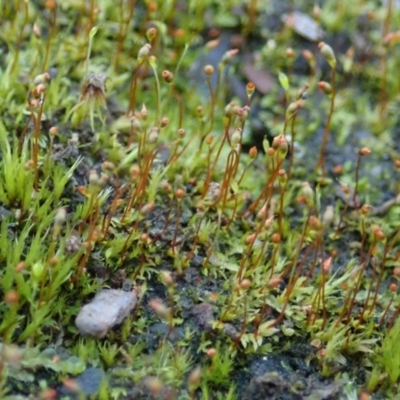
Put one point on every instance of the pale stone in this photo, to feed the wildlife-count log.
(108, 308)
(304, 26)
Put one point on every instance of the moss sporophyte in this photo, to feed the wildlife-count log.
(198, 202)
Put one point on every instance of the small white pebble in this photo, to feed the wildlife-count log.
(108, 308)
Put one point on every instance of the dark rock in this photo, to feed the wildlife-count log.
(204, 315)
(159, 331)
(328, 392)
(88, 382)
(231, 331)
(143, 391)
(270, 386)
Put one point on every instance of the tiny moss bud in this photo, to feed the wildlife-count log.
(180, 194)
(167, 278)
(213, 297)
(144, 52)
(280, 144)
(289, 52)
(282, 176)
(276, 238)
(153, 135)
(72, 385)
(321, 353)
(209, 140)
(250, 238)
(166, 186)
(302, 93)
(60, 216)
(253, 152)
(151, 34)
(194, 378)
(41, 79)
(167, 76)
(34, 103)
(11, 297)
(104, 179)
(396, 272)
(229, 55)
(164, 122)
(274, 282)
(338, 169)
(41, 88)
(236, 137)
(391, 37)
(200, 207)
(94, 178)
(250, 88)
(328, 53)
(212, 44)
(365, 151)
(74, 139)
(314, 222)
(328, 215)
(21, 266)
(134, 171)
(48, 394)
(230, 109)
(160, 308)
(108, 166)
(179, 33)
(12, 354)
(316, 12)
(326, 265)
(147, 208)
(29, 164)
(239, 111)
(153, 61)
(265, 144)
(364, 396)
(214, 33)
(54, 261)
(53, 131)
(307, 193)
(245, 284)
(365, 209)
(269, 222)
(211, 352)
(377, 232)
(154, 385)
(50, 4)
(135, 123)
(208, 70)
(325, 87)
(181, 132)
(144, 113)
(292, 109)
(308, 55)
(37, 270)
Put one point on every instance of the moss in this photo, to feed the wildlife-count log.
(141, 147)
